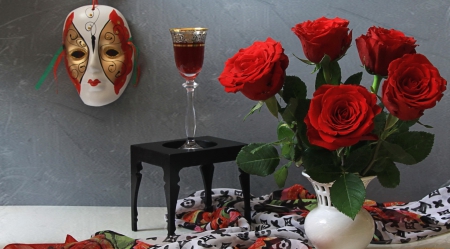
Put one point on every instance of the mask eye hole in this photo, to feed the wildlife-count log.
(112, 53)
(77, 54)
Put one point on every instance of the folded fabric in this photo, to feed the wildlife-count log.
(277, 222)
(396, 222)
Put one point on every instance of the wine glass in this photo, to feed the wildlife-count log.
(189, 48)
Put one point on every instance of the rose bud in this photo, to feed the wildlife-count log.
(381, 46)
(257, 71)
(324, 37)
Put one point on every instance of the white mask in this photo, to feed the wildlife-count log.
(99, 55)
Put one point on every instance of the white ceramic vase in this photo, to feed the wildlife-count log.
(327, 228)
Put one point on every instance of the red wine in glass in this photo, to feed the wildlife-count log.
(189, 58)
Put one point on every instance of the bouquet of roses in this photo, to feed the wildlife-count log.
(345, 131)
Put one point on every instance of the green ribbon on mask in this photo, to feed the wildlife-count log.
(49, 67)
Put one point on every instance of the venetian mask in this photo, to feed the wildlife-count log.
(99, 54)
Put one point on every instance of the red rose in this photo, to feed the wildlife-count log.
(324, 37)
(257, 71)
(381, 46)
(413, 85)
(341, 116)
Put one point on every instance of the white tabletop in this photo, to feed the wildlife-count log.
(51, 224)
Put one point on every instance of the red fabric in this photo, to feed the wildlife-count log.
(219, 218)
(69, 239)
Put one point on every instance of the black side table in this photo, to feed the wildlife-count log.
(166, 155)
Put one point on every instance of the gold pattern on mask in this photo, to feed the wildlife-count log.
(111, 54)
(77, 53)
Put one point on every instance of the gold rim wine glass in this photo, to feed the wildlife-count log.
(189, 49)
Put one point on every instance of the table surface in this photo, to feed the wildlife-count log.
(51, 224)
(166, 153)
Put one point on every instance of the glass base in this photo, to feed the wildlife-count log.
(190, 145)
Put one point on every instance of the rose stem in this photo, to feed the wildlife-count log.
(375, 154)
(376, 83)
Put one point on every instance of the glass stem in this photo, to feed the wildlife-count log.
(190, 120)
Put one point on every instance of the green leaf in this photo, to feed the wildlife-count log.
(348, 194)
(287, 150)
(304, 60)
(300, 113)
(293, 87)
(320, 80)
(301, 135)
(404, 126)
(390, 176)
(325, 60)
(296, 152)
(324, 68)
(398, 154)
(358, 159)
(281, 174)
(380, 122)
(330, 70)
(391, 121)
(316, 68)
(382, 159)
(320, 165)
(424, 125)
(335, 71)
(302, 109)
(354, 79)
(284, 132)
(418, 144)
(255, 108)
(272, 105)
(118, 240)
(286, 135)
(258, 159)
(288, 113)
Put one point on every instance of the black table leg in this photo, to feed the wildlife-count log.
(207, 175)
(244, 179)
(136, 177)
(171, 188)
